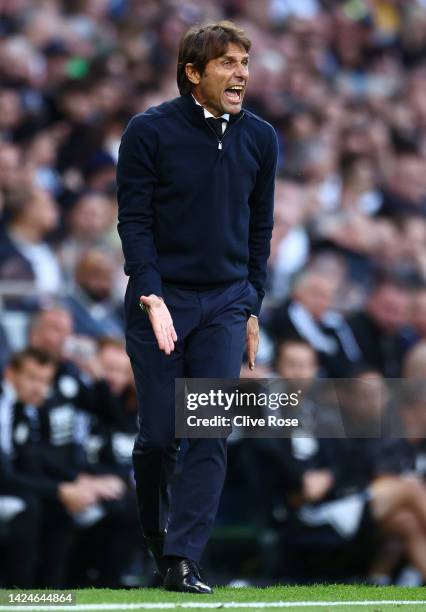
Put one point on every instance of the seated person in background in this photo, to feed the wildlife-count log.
(342, 492)
(80, 378)
(393, 504)
(410, 396)
(379, 327)
(24, 253)
(29, 479)
(298, 363)
(308, 316)
(108, 548)
(63, 416)
(92, 303)
(88, 224)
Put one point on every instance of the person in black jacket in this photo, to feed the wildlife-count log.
(359, 487)
(29, 477)
(195, 191)
(378, 329)
(79, 398)
(309, 316)
(109, 546)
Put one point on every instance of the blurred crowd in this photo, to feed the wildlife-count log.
(344, 84)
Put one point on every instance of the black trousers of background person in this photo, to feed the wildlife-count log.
(211, 328)
(19, 547)
(58, 536)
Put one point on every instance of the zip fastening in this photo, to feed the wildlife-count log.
(219, 145)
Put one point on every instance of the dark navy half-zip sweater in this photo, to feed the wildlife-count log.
(195, 211)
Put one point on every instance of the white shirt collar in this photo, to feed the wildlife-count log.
(207, 114)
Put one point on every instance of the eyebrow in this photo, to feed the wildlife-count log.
(233, 57)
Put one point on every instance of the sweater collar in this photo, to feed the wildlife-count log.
(208, 114)
(196, 112)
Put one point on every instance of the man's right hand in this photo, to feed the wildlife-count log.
(75, 497)
(161, 322)
(316, 484)
(105, 486)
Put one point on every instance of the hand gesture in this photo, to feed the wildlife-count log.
(161, 322)
(252, 340)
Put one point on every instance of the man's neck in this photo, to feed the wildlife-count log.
(213, 114)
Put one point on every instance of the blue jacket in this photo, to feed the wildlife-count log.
(195, 211)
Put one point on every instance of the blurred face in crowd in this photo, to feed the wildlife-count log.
(296, 360)
(116, 365)
(360, 175)
(288, 213)
(39, 212)
(50, 330)
(388, 306)
(414, 365)
(31, 381)
(10, 160)
(316, 293)
(91, 216)
(77, 105)
(95, 275)
(365, 398)
(408, 178)
(42, 150)
(221, 87)
(10, 109)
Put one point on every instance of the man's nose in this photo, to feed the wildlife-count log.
(242, 70)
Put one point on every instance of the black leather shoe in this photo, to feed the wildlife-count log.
(155, 546)
(184, 576)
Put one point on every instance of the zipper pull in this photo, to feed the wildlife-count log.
(219, 146)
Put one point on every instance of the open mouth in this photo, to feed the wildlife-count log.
(234, 94)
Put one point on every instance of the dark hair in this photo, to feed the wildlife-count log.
(17, 202)
(291, 339)
(202, 44)
(30, 353)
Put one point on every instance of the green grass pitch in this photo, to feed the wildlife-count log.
(318, 598)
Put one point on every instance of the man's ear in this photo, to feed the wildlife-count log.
(192, 74)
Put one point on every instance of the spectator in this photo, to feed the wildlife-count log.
(109, 546)
(378, 329)
(24, 252)
(307, 316)
(290, 242)
(80, 378)
(92, 304)
(89, 221)
(329, 496)
(29, 477)
(64, 432)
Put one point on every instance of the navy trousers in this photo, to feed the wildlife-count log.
(211, 330)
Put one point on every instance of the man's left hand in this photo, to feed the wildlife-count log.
(252, 340)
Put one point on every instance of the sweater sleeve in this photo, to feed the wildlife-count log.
(13, 480)
(261, 218)
(136, 179)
